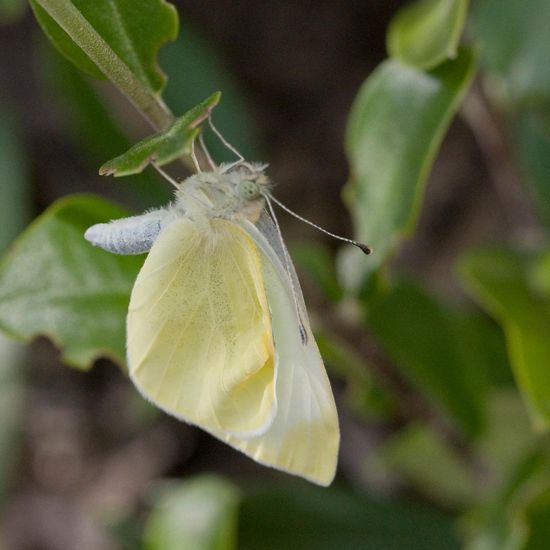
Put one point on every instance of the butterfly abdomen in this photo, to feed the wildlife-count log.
(129, 236)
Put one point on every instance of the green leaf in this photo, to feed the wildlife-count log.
(163, 147)
(54, 283)
(299, 516)
(199, 514)
(118, 39)
(133, 29)
(514, 36)
(427, 32)
(425, 341)
(394, 131)
(504, 283)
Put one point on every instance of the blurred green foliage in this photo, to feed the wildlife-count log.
(427, 32)
(200, 514)
(531, 134)
(91, 126)
(514, 37)
(503, 282)
(14, 212)
(425, 340)
(301, 517)
(474, 454)
(419, 455)
(11, 10)
(317, 262)
(15, 190)
(389, 166)
(197, 69)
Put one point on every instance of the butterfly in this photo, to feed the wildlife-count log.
(217, 331)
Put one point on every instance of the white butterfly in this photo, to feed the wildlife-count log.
(217, 330)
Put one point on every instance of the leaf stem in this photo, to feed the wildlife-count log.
(69, 18)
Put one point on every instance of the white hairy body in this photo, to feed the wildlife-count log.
(203, 196)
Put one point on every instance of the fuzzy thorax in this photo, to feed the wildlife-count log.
(230, 193)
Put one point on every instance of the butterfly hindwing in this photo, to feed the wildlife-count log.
(199, 331)
(304, 436)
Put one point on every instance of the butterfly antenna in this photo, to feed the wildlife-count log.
(166, 176)
(363, 247)
(206, 152)
(227, 144)
(303, 333)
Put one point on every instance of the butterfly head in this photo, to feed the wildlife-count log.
(247, 186)
(249, 190)
(228, 192)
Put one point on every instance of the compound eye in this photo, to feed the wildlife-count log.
(248, 190)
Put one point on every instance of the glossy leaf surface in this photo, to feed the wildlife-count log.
(121, 24)
(394, 131)
(54, 283)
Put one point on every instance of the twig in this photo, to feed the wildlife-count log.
(490, 137)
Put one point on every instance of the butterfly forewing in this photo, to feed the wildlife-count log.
(199, 331)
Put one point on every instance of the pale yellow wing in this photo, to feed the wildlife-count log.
(304, 436)
(199, 331)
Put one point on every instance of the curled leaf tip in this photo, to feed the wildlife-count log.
(106, 170)
(163, 147)
(208, 106)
